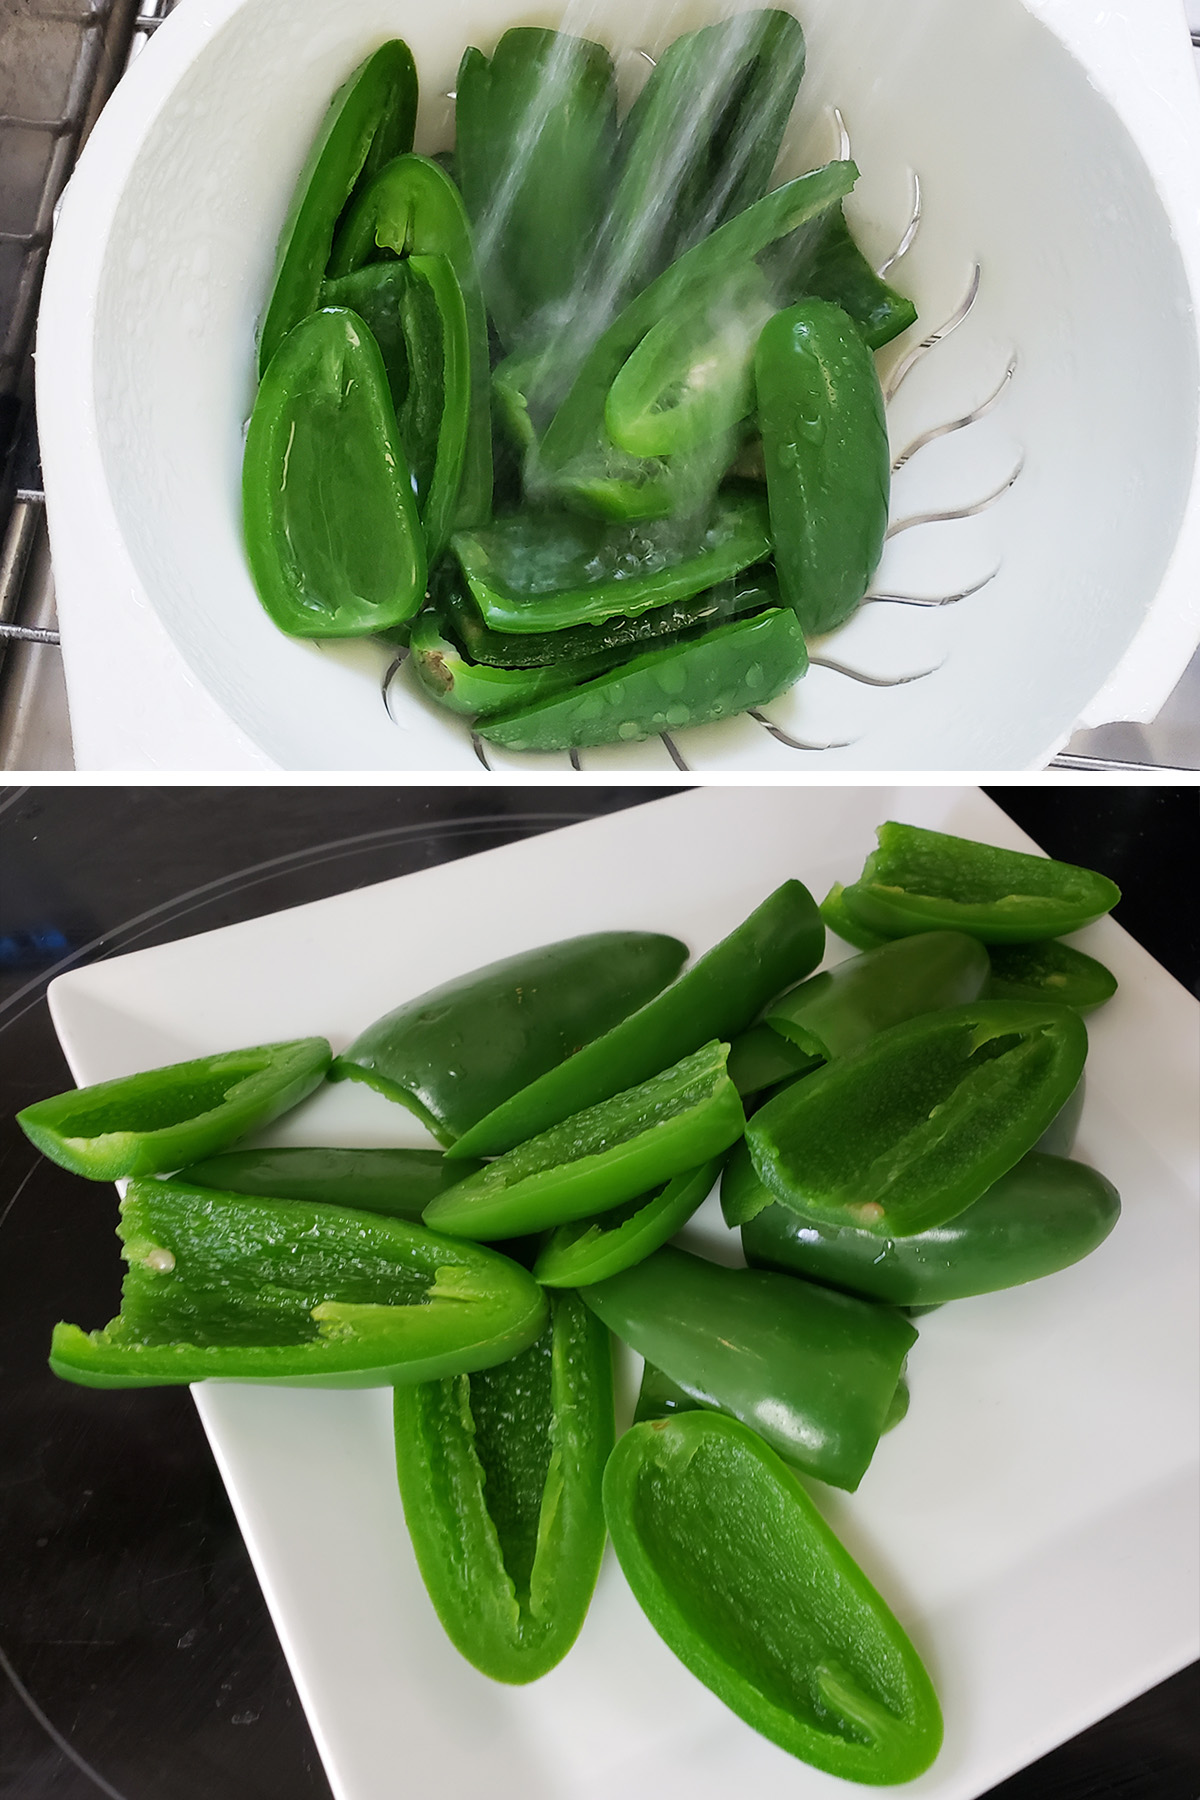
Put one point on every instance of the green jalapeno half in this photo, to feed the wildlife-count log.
(155, 1120)
(904, 1132)
(500, 1474)
(736, 1570)
(232, 1288)
(922, 880)
(333, 535)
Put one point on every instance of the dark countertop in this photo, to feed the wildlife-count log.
(137, 1658)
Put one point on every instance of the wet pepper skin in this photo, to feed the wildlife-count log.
(333, 534)
(825, 446)
(500, 1476)
(371, 119)
(412, 208)
(735, 1568)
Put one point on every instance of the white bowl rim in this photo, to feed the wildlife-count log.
(134, 701)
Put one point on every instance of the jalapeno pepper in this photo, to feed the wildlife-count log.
(370, 120)
(1049, 971)
(478, 689)
(707, 676)
(598, 1158)
(661, 1398)
(399, 1182)
(701, 140)
(412, 208)
(536, 133)
(841, 1008)
(576, 456)
(825, 444)
(1043, 1215)
(922, 880)
(692, 375)
(544, 571)
(761, 1058)
(838, 920)
(813, 1372)
(453, 1055)
(823, 261)
(415, 310)
(500, 1475)
(225, 1287)
(332, 531)
(592, 1249)
(905, 1132)
(782, 940)
(737, 1571)
(750, 591)
(140, 1124)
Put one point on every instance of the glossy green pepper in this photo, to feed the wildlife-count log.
(908, 1130)
(922, 880)
(761, 1058)
(842, 1007)
(692, 375)
(477, 690)
(590, 1250)
(708, 675)
(825, 444)
(661, 1398)
(750, 591)
(838, 920)
(398, 1182)
(414, 308)
(230, 1288)
(155, 1120)
(456, 1053)
(1043, 1215)
(701, 140)
(781, 941)
(736, 1570)
(823, 261)
(545, 571)
(370, 120)
(333, 534)
(602, 1156)
(500, 1475)
(576, 456)
(1049, 971)
(813, 1372)
(536, 130)
(744, 1196)
(412, 208)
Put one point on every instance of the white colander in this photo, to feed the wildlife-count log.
(1057, 145)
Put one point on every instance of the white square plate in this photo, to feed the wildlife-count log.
(1032, 1522)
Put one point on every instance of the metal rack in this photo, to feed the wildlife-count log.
(58, 66)
(57, 69)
